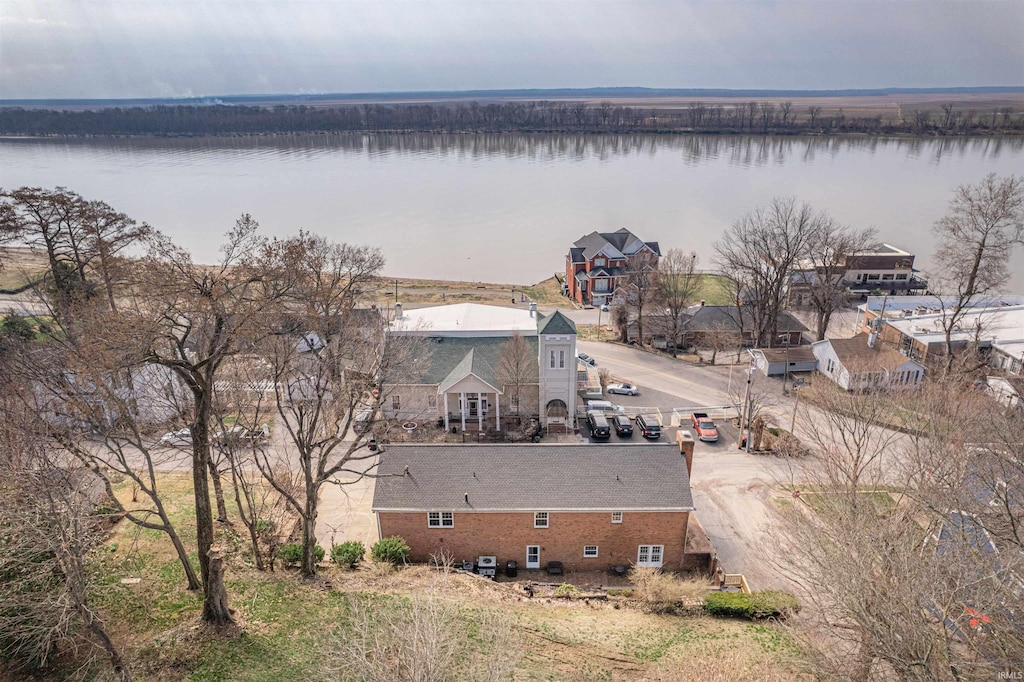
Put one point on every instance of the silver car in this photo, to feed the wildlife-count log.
(623, 389)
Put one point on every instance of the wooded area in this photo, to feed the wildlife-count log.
(754, 116)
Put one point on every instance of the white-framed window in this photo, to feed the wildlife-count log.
(440, 520)
(590, 551)
(552, 363)
(540, 519)
(599, 262)
(561, 359)
(432, 401)
(650, 555)
(903, 276)
(396, 402)
(616, 517)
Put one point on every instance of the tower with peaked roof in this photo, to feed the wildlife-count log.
(556, 348)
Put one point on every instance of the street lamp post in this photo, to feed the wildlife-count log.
(599, 323)
(748, 405)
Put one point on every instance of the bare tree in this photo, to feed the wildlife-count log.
(984, 223)
(190, 319)
(676, 284)
(759, 252)
(830, 252)
(897, 552)
(516, 363)
(50, 526)
(638, 291)
(328, 361)
(813, 113)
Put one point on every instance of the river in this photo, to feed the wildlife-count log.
(505, 208)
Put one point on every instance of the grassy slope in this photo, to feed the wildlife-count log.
(287, 623)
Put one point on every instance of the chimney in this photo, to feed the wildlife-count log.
(686, 444)
(533, 309)
(702, 303)
(398, 311)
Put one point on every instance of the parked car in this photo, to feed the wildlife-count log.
(624, 389)
(604, 406)
(179, 437)
(598, 425)
(649, 426)
(587, 359)
(623, 426)
(240, 434)
(705, 427)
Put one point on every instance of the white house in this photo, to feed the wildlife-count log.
(860, 363)
(455, 378)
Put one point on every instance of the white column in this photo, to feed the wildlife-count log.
(480, 411)
(446, 411)
(497, 412)
(462, 409)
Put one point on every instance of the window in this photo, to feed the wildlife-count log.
(396, 402)
(590, 551)
(616, 517)
(599, 262)
(873, 277)
(650, 555)
(540, 519)
(886, 277)
(440, 520)
(552, 363)
(561, 359)
(903, 276)
(831, 365)
(432, 402)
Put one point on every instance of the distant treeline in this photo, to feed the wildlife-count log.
(605, 117)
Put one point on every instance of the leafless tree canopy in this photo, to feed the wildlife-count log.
(908, 545)
(676, 285)
(760, 252)
(515, 367)
(984, 224)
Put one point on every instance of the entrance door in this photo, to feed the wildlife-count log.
(650, 555)
(533, 556)
(473, 404)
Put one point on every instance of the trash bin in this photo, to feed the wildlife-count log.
(512, 568)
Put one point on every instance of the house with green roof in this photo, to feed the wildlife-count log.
(456, 375)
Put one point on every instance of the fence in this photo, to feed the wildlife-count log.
(681, 415)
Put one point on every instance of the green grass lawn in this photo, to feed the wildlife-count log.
(288, 627)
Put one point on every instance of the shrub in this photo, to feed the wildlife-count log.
(391, 550)
(348, 554)
(292, 554)
(656, 588)
(755, 605)
(567, 591)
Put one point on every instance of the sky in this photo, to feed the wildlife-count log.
(189, 48)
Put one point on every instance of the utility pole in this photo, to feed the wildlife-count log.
(747, 403)
(599, 323)
(792, 423)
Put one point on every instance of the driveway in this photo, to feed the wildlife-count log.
(345, 511)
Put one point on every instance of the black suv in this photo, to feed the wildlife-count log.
(649, 426)
(598, 425)
(623, 427)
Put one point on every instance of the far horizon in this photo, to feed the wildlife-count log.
(610, 92)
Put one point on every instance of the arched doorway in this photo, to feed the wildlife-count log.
(556, 416)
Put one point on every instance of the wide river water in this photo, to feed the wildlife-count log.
(505, 208)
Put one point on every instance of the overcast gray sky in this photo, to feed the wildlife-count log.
(163, 48)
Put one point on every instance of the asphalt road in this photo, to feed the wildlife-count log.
(732, 490)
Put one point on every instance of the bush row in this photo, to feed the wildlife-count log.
(755, 605)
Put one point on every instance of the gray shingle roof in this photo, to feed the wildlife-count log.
(556, 323)
(532, 478)
(439, 362)
(594, 242)
(576, 255)
(717, 317)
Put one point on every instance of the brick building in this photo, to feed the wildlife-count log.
(599, 263)
(586, 506)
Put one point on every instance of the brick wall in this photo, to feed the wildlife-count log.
(506, 535)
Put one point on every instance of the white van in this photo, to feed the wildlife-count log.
(604, 406)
